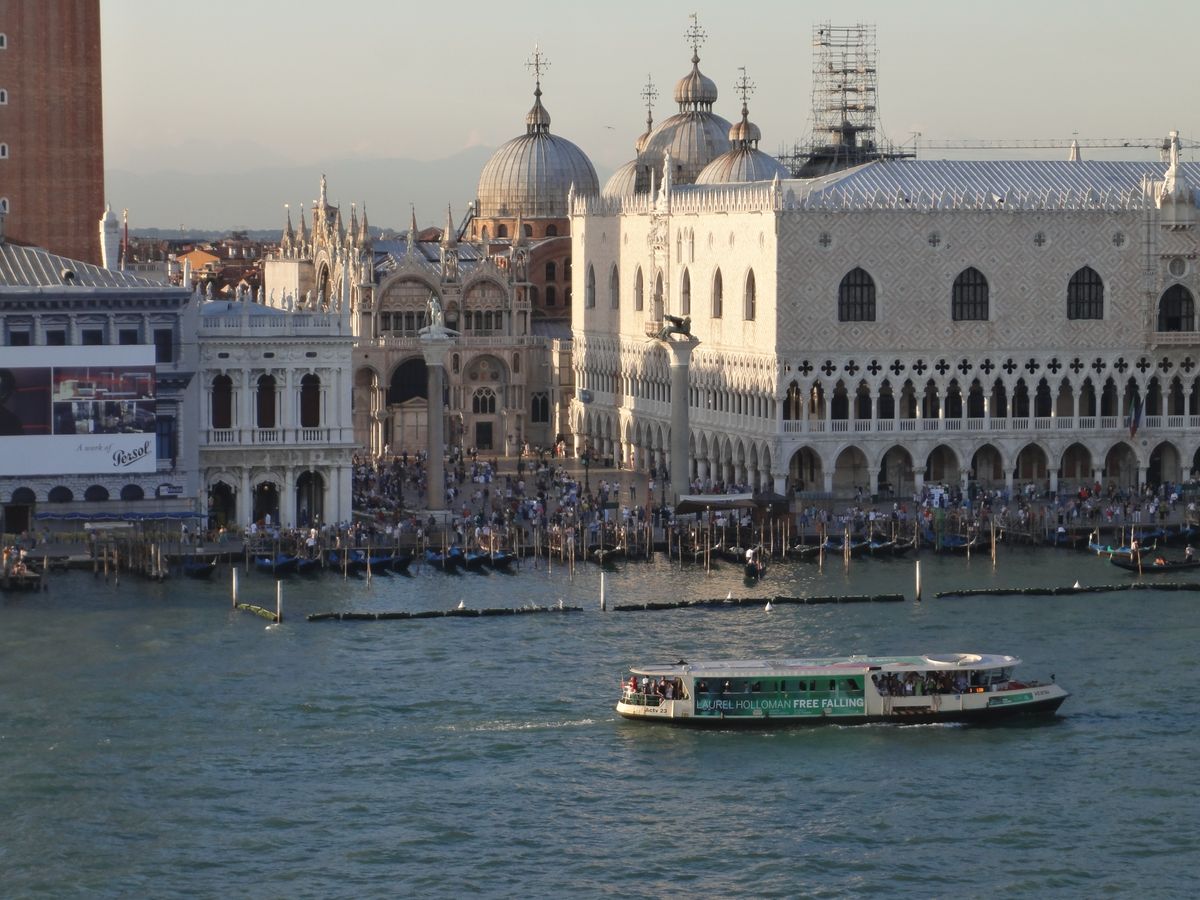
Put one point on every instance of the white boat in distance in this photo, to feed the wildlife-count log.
(849, 690)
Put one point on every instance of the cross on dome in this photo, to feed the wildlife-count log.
(696, 36)
(538, 64)
(744, 87)
(649, 94)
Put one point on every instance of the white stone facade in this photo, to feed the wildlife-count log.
(276, 432)
(786, 393)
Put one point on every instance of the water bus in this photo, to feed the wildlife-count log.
(849, 690)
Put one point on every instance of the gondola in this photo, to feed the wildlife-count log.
(309, 567)
(198, 568)
(380, 563)
(834, 546)
(279, 565)
(401, 560)
(351, 562)
(1149, 566)
(607, 554)
(806, 552)
(444, 562)
(474, 561)
(501, 560)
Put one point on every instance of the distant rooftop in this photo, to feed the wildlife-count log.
(33, 267)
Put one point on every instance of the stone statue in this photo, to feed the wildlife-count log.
(436, 318)
(675, 325)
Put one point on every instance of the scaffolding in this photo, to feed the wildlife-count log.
(844, 103)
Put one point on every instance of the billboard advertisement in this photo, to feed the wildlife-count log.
(77, 410)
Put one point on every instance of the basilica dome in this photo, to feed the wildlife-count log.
(532, 174)
(622, 182)
(744, 161)
(694, 136)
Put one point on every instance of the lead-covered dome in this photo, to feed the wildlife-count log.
(622, 182)
(694, 136)
(695, 86)
(532, 174)
(743, 161)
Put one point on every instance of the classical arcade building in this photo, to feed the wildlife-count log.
(276, 438)
(898, 323)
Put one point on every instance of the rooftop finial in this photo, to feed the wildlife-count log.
(538, 63)
(745, 87)
(696, 36)
(649, 94)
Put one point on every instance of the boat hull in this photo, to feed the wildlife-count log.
(671, 713)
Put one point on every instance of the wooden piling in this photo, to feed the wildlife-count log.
(918, 575)
(234, 587)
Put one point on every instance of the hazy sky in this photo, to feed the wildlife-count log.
(225, 86)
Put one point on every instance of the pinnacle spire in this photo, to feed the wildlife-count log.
(449, 238)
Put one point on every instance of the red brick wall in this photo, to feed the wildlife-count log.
(53, 124)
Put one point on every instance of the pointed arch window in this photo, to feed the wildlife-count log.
(751, 302)
(718, 296)
(483, 402)
(551, 231)
(589, 295)
(969, 297)
(685, 294)
(614, 289)
(551, 271)
(501, 231)
(1085, 295)
(551, 295)
(1177, 310)
(856, 297)
(639, 292)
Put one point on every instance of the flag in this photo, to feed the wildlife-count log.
(1135, 417)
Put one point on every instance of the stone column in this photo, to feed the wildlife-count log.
(434, 346)
(680, 350)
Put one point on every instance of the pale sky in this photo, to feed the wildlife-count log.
(231, 86)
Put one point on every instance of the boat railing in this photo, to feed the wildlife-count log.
(640, 699)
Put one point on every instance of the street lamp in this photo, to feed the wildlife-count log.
(587, 462)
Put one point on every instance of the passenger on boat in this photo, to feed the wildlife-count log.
(1159, 561)
(1189, 554)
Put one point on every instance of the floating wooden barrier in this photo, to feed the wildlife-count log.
(437, 614)
(268, 614)
(759, 601)
(1068, 591)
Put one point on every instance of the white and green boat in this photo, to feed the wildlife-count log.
(849, 690)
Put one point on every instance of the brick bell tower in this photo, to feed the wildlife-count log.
(51, 125)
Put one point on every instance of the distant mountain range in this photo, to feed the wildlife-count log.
(167, 201)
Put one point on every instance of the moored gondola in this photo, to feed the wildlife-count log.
(278, 565)
(199, 568)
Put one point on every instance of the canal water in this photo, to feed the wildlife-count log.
(153, 742)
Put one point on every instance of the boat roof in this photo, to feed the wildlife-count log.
(836, 665)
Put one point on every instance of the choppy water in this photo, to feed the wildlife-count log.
(155, 743)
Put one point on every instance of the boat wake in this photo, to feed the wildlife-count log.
(498, 727)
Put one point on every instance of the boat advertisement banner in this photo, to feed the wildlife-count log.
(77, 410)
(846, 699)
(1009, 699)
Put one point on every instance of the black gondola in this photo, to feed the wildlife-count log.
(309, 566)
(194, 568)
(1155, 566)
